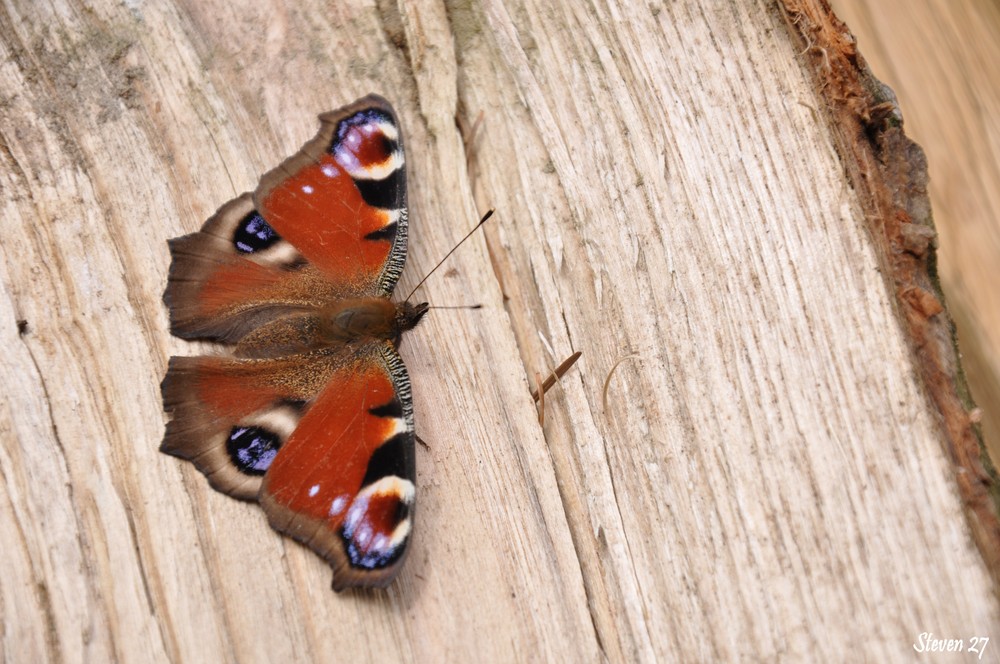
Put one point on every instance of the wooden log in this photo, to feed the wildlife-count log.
(774, 475)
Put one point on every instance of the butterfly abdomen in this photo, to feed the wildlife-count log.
(364, 318)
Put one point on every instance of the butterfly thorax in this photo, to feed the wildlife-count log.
(339, 324)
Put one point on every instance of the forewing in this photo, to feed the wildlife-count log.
(329, 223)
(342, 198)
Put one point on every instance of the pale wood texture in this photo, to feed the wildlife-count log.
(941, 59)
(768, 480)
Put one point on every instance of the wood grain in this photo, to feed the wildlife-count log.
(767, 482)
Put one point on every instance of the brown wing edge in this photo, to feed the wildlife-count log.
(194, 435)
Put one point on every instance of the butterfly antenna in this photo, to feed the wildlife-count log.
(489, 213)
(458, 306)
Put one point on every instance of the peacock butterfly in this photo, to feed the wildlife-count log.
(311, 415)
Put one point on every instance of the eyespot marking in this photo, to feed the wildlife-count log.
(377, 524)
(254, 234)
(252, 449)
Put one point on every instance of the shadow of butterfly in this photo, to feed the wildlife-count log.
(312, 414)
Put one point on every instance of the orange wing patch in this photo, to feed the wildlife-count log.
(331, 222)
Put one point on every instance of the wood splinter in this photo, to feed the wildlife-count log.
(538, 394)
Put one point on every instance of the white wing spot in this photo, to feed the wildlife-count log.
(306, 189)
(313, 490)
(337, 506)
(328, 170)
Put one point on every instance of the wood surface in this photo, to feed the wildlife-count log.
(770, 478)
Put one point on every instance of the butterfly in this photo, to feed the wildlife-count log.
(311, 414)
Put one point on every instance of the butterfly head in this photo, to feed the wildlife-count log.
(408, 315)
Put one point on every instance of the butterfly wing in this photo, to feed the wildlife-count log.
(230, 417)
(343, 484)
(342, 198)
(324, 440)
(328, 223)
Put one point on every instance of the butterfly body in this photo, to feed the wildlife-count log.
(340, 323)
(311, 413)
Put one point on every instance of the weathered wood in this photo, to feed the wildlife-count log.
(937, 58)
(769, 479)
(889, 173)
